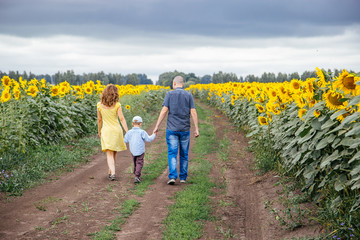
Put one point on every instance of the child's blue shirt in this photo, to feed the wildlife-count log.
(136, 138)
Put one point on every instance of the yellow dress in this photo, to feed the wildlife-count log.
(111, 132)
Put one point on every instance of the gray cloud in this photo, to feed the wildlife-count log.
(228, 18)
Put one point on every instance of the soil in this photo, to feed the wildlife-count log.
(84, 200)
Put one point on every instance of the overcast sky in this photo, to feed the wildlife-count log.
(199, 36)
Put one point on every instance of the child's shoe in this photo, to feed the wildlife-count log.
(137, 180)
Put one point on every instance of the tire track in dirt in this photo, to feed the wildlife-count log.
(146, 222)
(84, 200)
(239, 208)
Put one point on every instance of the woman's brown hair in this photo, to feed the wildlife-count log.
(110, 95)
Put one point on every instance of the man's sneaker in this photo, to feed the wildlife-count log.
(182, 181)
(171, 181)
(137, 180)
(112, 177)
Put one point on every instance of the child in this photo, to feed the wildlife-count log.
(136, 138)
(109, 129)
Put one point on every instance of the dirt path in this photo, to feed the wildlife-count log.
(76, 204)
(239, 208)
(83, 201)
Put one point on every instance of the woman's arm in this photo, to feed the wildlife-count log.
(122, 119)
(99, 122)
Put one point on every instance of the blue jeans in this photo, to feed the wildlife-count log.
(174, 141)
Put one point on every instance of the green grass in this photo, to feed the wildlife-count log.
(19, 171)
(224, 149)
(108, 232)
(191, 208)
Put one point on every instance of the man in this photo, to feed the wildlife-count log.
(179, 105)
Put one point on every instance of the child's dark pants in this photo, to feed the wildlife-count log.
(138, 164)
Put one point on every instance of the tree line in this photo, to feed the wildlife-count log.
(165, 79)
(77, 79)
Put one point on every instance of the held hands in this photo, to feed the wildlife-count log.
(156, 130)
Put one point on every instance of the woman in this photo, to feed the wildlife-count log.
(110, 131)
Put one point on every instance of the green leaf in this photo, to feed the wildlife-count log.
(354, 131)
(355, 143)
(327, 124)
(354, 101)
(355, 170)
(350, 118)
(355, 157)
(335, 155)
(348, 141)
(325, 142)
(356, 185)
(304, 132)
(338, 113)
(316, 124)
(340, 182)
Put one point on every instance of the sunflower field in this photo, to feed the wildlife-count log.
(35, 113)
(310, 129)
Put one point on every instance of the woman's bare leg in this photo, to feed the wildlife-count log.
(110, 161)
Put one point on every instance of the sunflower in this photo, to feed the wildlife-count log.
(208, 98)
(16, 93)
(260, 108)
(272, 94)
(332, 100)
(269, 116)
(127, 107)
(32, 91)
(316, 113)
(55, 90)
(346, 82)
(301, 112)
(321, 82)
(295, 85)
(222, 100)
(88, 90)
(6, 81)
(5, 96)
(263, 120)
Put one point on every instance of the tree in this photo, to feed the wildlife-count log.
(206, 79)
(132, 79)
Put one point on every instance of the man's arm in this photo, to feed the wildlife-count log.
(195, 120)
(162, 115)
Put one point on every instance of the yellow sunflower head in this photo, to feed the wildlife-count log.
(32, 91)
(316, 113)
(88, 90)
(263, 120)
(5, 96)
(6, 81)
(17, 93)
(55, 90)
(346, 82)
(321, 76)
(269, 116)
(295, 85)
(222, 100)
(260, 108)
(332, 100)
(127, 107)
(301, 112)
